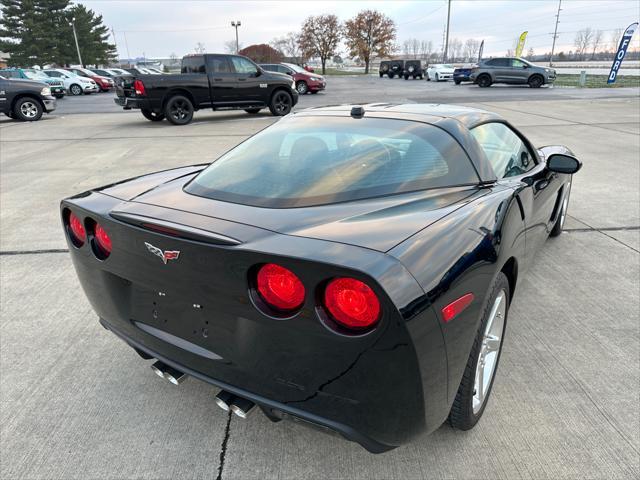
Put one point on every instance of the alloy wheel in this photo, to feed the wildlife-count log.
(489, 351)
(282, 103)
(29, 109)
(180, 110)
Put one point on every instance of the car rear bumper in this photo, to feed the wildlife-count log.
(273, 408)
(129, 102)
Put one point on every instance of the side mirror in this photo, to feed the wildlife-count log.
(525, 66)
(258, 72)
(561, 163)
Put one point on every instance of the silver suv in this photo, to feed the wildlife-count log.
(516, 71)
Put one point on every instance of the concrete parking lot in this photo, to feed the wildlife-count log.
(76, 402)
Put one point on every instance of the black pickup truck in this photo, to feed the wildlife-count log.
(219, 82)
(25, 100)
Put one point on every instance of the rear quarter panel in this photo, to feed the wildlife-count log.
(462, 253)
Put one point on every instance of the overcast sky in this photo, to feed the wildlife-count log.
(160, 28)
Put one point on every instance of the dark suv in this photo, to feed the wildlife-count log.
(215, 81)
(413, 68)
(391, 68)
(511, 70)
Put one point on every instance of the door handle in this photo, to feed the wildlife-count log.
(542, 184)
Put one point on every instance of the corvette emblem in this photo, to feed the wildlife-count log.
(164, 255)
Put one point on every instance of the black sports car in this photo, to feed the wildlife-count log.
(347, 267)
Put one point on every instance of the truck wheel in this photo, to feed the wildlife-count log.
(484, 81)
(75, 89)
(27, 109)
(153, 116)
(381, 75)
(10, 115)
(535, 81)
(252, 111)
(457, 82)
(482, 365)
(179, 110)
(302, 87)
(281, 103)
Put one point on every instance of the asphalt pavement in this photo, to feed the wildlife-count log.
(76, 402)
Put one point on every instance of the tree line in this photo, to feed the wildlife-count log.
(39, 32)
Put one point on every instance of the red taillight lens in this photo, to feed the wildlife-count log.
(280, 288)
(102, 240)
(352, 303)
(78, 233)
(138, 86)
(456, 307)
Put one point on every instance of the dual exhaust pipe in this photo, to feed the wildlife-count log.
(225, 400)
(238, 405)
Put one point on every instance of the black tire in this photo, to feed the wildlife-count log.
(406, 77)
(252, 111)
(535, 81)
(151, 115)
(381, 74)
(281, 103)
(313, 92)
(462, 415)
(302, 87)
(390, 74)
(484, 81)
(10, 115)
(179, 110)
(559, 225)
(420, 77)
(27, 109)
(457, 82)
(75, 90)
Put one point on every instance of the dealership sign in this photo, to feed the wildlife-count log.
(622, 50)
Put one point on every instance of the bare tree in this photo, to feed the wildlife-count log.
(319, 37)
(582, 41)
(596, 42)
(426, 48)
(455, 49)
(406, 47)
(230, 46)
(415, 48)
(531, 53)
(289, 45)
(471, 47)
(200, 48)
(369, 33)
(616, 35)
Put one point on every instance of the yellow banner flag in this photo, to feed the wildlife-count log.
(520, 46)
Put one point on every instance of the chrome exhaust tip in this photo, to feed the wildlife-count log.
(242, 407)
(224, 400)
(168, 373)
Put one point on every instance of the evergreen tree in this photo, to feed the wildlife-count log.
(39, 32)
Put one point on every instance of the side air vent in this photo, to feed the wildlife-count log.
(174, 229)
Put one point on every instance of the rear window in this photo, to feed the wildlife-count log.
(307, 161)
(193, 64)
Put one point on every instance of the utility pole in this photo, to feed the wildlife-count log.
(555, 33)
(446, 41)
(236, 24)
(75, 36)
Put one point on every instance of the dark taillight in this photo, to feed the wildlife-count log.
(456, 307)
(280, 288)
(103, 241)
(138, 86)
(77, 231)
(352, 303)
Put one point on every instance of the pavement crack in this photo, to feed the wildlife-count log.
(604, 231)
(223, 448)
(34, 252)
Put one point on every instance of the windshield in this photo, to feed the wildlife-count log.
(295, 68)
(35, 75)
(307, 161)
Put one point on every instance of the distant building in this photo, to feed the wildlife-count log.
(4, 59)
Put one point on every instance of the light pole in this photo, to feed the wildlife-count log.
(75, 36)
(446, 41)
(555, 33)
(236, 24)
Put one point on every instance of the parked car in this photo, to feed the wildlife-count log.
(73, 83)
(440, 72)
(105, 84)
(305, 81)
(391, 68)
(513, 71)
(139, 71)
(348, 267)
(216, 81)
(155, 70)
(25, 100)
(413, 69)
(56, 86)
(119, 72)
(462, 74)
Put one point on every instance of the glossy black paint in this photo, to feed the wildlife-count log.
(418, 251)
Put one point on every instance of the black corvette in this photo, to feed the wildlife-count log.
(347, 267)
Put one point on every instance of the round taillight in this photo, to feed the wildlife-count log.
(280, 288)
(352, 303)
(78, 233)
(102, 240)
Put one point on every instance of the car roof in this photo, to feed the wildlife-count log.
(432, 113)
